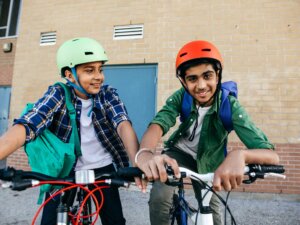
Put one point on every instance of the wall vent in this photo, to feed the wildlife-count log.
(48, 38)
(128, 32)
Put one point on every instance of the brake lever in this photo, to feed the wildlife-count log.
(275, 175)
(172, 180)
(252, 176)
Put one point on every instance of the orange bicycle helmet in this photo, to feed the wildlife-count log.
(197, 50)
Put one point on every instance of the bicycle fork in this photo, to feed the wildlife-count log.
(66, 205)
(63, 210)
(181, 210)
(204, 215)
(62, 215)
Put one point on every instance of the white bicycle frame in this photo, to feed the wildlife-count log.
(199, 218)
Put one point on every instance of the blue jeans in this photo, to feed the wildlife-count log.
(111, 212)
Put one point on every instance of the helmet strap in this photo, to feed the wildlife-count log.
(182, 82)
(78, 87)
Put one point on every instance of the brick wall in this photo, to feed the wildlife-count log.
(259, 41)
(289, 158)
(7, 62)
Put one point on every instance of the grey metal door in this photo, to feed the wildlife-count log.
(4, 112)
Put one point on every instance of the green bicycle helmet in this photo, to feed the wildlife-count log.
(78, 51)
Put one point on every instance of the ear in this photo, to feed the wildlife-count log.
(69, 76)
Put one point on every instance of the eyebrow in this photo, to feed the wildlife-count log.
(204, 73)
(208, 72)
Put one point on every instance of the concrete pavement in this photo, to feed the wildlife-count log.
(18, 208)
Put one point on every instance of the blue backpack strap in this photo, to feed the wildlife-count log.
(186, 106)
(228, 88)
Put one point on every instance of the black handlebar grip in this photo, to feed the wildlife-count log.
(273, 169)
(7, 174)
(267, 168)
(128, 173)
(21, 185)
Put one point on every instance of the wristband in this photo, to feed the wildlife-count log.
(140, 151)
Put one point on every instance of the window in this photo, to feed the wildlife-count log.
(9, 17)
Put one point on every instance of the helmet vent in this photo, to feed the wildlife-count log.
(183, 54)
(89, 53)
(206, 49)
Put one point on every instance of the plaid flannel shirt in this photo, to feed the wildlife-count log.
(108, 112)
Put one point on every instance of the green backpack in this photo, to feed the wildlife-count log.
(49, 155)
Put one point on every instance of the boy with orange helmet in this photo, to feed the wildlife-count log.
(199, 141)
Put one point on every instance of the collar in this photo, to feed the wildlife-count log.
(95, 98)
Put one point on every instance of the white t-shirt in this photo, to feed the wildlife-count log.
(191, 147)
(94, 155)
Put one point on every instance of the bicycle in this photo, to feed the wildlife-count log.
(181, 210)
(73, 190)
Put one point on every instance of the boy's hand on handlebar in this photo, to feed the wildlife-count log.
(154, 166)
(230, 173)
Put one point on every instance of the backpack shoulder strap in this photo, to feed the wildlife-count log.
(72, 113)
(186, 106)
(70, 107)
(228, 88)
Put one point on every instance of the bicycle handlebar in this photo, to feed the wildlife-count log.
(265, 168)
(21, 180)
(25, 179)
(81, 213)
(254, 171)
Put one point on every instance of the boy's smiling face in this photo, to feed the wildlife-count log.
(90, 76)
(201, 82)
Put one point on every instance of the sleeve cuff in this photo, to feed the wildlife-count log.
(161, 124)
(120, 118)
(30, 135)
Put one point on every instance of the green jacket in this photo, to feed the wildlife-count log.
(213, 135)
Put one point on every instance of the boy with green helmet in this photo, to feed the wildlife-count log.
(79, 51)
(107, 138)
